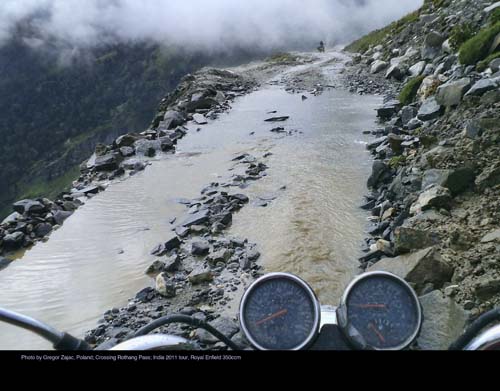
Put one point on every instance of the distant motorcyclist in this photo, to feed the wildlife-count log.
(321, 47)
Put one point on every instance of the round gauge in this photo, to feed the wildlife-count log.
(280, 311)
(380, 311)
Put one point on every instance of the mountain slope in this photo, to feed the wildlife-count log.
(53, 114)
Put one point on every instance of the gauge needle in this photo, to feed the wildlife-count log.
(378, 333)
(369, 305)
(271, 317)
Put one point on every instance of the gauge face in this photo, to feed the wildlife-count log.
(279, 312)
(384, 309)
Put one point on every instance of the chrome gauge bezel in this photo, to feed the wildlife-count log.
(342, 316)
(276, 276)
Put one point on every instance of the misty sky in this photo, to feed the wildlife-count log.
(212, 24)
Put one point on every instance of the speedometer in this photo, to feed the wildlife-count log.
(279, 311)
(380, 311)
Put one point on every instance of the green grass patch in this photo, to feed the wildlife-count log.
(397, 161)
(50, 188)
(283, 58)
(409, 91)
(376, 37)
(494, 16)
(460, 34)
(477, 48)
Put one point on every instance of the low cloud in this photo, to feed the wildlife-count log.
(199, 24)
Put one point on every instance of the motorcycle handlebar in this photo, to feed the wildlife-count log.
(60, 340)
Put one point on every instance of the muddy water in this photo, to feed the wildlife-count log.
(313, 228)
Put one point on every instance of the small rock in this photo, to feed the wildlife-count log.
(200, 275)
(164, 286)
(200, 248)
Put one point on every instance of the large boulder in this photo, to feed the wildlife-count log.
(482, 86)
(173, 119)
(13, 241)
(429, 110)
(408, 239)
(435, 197)
(29, 207)
(388, 109)
(107, 162)
(408, 113)
(421, 268)
(12, 218)
(417, 69)
(378, 66)
(396, 71)
(456, 180)
(126, 140)
(433, 42)
(380, 172)
(60, 216)
(198, 218)
(444, 321)
(451, 93)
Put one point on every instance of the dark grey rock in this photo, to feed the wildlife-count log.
(107, 162)
(200, 248)
(197, 218)
(4, 262)
(61, 215)
(380, 172)
(429, 110)
(172, 119)
(13, 241)
(456, 180)
(408, 113)
(43, 229)
(29, 207)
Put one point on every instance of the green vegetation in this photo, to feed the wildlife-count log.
(460, 34)
(409, 91)
(397, 161)
(377, 37)
(494, 16)
(483, 65)
(477, 48)
(282, 58)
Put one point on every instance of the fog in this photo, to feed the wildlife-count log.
(199, 24)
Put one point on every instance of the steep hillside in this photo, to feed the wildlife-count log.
(436, 178)
(52, 114)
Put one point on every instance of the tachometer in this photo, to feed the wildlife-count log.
(380, 311)
(280, 311)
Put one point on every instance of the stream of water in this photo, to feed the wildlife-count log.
(312, 228)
